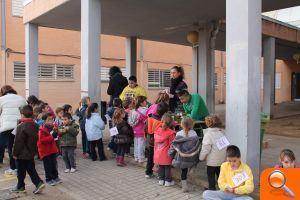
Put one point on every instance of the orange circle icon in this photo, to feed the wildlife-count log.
(277, 179)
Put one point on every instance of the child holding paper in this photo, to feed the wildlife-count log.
(236, 178)
(211, 151)
(94, 126)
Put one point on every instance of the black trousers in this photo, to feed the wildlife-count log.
(164, 173)
(121, 149)
(85, 142)
(7, 140)
(50, 166)
(184, 172)
(28, 166)
(150, 163)
(212, 174)
(99, 144)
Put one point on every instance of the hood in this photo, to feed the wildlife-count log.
(187, 146)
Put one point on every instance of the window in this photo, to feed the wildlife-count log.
(216, 79)
(17, 8)
(104, 73)
(46, 71)
(159, 78)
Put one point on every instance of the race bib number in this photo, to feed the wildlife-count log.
(113, 131)
(222, 143)
(240, 178)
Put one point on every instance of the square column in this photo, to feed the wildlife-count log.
(195, 69)
(31, 60)
(90, 49)
(131, 48)
(243, 48)
(269, 75)
(206, 68)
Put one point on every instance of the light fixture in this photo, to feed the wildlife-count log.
(297, 57)
(192, 37)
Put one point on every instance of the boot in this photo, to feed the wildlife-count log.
(118, 160)
(184, 186)
(122, 161)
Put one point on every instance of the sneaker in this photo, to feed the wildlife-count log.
(161, 182)
(39, 188)
(168, 184)
(67, 170)
(18, 190)
(108, 149)
(73, 170)
(52, 183)
(10, 172)
(148, 176)
(85, 155)
(58, 180)
(142, 160)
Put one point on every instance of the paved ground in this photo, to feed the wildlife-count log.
(98, 180)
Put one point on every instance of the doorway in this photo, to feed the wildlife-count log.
(296, 86)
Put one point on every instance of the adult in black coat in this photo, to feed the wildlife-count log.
(117, 82)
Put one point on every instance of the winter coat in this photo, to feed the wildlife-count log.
(46, 144)
(133, 92)
(162, 142)
(81, 113)
(10, 105)
(116, 85)
(94, 127)
(177, 85)
(68, 139)
(214, 157)
(152, 110)
(152, 124)
(25, 144)
(125, 135)
(185, 151)
(136, 120)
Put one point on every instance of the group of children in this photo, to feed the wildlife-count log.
(151, 129)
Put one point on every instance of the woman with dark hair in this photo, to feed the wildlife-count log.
(33, 101)
(117, 82)
(177, 85)
(10, 104)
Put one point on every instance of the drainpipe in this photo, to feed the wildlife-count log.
(213, 36)
(3, 41)
(142, 61)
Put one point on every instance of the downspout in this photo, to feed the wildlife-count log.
(3, 41)
(213, 36)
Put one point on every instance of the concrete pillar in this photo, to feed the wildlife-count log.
(269, 75)
(131, 56)
(243, 48)
(206, 68)
(195, 69)
(31, 60)
(90, 49)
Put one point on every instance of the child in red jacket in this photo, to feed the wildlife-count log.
(47, 150)
(163, 138)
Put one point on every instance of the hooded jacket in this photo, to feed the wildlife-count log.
(162, 142)
(117, 83)
(46, 144)
(68, 139)
(185, 151)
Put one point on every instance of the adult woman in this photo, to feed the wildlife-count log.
(117, 82)
(177, 85)
(10, 104)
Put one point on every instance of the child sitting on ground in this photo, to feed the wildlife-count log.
(152, 124)
(163, 138)
(210, 152)
(25, 149)
(230, 184)
(68, 142)
(185, 150)
(94, 126)
(287, 159)
(136, 120)
(47, 150)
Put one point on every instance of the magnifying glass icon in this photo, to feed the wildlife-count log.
(277, 180)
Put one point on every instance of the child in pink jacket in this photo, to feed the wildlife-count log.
(163, 139)
(136, 120)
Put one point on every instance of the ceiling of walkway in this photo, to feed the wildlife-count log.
(157, 20)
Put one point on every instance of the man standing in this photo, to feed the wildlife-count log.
(133, 89)
(193, 105)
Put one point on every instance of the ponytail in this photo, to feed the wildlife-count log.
(92, 108)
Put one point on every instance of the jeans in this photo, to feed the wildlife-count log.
(3, 144)
(10, 144)
(121, 149)
(68, 154)
(220, 195)
(50, 166)
(184, 174)
(99, 144)
(212, 174)
(85, 142)
(28, 166)
(139, 146)
(164, 173)
(150, 163)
